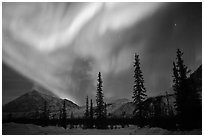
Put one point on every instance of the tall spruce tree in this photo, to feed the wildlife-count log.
(139, 91)
(87, 108)
(186, 104)
(99, 98)
(100, 109)
(180, 87)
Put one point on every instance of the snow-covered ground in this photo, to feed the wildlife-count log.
(30, 129)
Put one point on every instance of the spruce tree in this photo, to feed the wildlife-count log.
(99, 99)
(100, 109)
(139, 91)
(186, 104)
(91, 114)
(64, 115)
(169, 111)
(180, 87)
(87, 108)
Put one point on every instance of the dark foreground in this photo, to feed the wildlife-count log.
(30, 129)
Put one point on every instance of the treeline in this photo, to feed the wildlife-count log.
(188, 106)
(96, 117)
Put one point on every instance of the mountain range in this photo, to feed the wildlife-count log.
(34, 101)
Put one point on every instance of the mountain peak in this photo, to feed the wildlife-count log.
(33, 101)
(34, 92)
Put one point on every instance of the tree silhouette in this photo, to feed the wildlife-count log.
(138, 90)
(180, 87)
(169, 111)
(86, 114)
(87, 108)
(187, 102)
(91, 114)
(100, 109)
(64, 114)
(99, 98)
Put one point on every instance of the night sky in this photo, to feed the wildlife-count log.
(66, 61)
